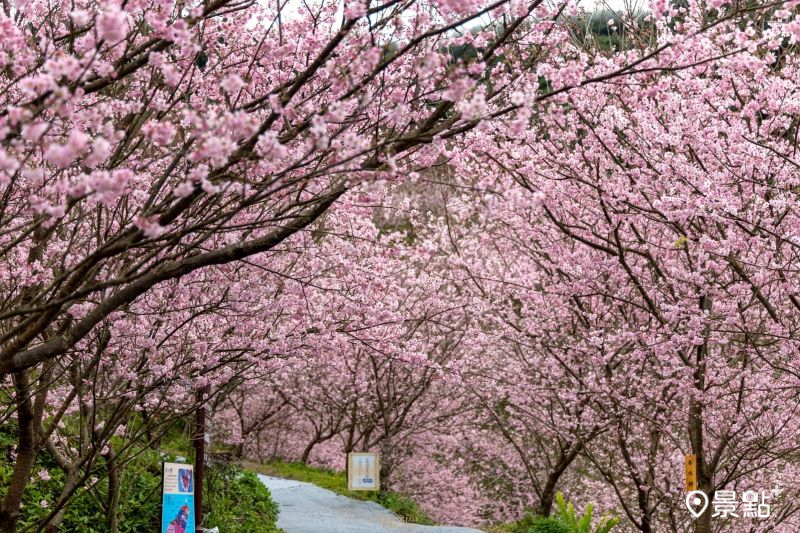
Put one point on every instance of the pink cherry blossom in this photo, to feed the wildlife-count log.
(112, 25)
(149, 226)
(232, 84)
(513, 256)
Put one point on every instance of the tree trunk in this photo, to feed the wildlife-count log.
(647, 520)
(70, 481)
(26, 454)
(386, 467)
(113, 490)
(548, 495)
(309, 447)
(705, 477)
(153, 440)
(199, 458)
(549, 489)
(348, 449)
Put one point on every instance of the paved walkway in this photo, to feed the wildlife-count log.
(306, 508)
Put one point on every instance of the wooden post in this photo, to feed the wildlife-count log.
(690, 471)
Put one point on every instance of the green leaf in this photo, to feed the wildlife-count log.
(201, 60)
(585, 523)
(606, 525)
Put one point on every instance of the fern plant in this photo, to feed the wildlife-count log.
(565, 519)
(568, 516)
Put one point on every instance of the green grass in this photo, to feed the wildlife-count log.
(332, 480)
(501, 528)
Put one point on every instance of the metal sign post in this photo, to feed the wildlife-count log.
(200, 455)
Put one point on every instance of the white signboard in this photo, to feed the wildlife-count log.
(363, 471)
(209, 424)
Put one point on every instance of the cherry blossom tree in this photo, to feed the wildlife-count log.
(142, 143)
(178, 179)
(667, 205)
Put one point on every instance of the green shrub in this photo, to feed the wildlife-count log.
(542, 524)
(564, 520)
(234, 500)
(237, 501)
(539, 524)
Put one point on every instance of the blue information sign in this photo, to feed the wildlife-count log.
(177, 500)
